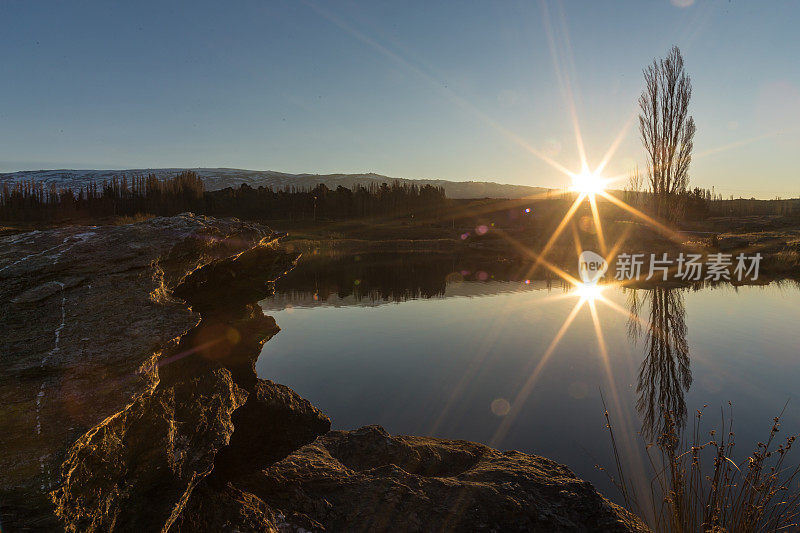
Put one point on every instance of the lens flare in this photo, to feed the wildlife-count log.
(588, 183)
(588, 292)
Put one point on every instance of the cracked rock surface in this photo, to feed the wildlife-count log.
(82, 311)
(369, 480)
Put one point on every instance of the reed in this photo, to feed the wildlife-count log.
(697, 485)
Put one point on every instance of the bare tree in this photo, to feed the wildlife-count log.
(634, 187)
(667, 131)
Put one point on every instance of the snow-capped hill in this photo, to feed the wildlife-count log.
(220, 178)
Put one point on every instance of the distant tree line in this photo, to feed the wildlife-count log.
(752, 207)
(321, 202)
(690, 204)
(32, 201)
(699, 204)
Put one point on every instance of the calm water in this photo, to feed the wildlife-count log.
(430, 346)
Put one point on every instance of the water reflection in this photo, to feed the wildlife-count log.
(665, 374)
(657, 315)
(451, 363)
(380, 277)
(657, 319)
(657, 324)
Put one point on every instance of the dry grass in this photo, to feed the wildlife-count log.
(788, 261)
(132, 219)
(697, 486)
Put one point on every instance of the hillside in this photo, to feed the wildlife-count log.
(220, 178)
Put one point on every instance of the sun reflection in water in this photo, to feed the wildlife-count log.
(588, 292)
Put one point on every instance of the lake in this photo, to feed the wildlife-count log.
(440, 346)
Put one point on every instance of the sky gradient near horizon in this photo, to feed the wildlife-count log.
(415, 90)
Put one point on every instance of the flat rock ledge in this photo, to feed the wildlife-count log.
(368, 480)
(183, 436)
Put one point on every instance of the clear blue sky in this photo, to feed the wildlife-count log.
(407, 89)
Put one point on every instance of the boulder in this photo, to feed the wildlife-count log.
(274, 422)
(133, 471)
(138, 470)
(368, 480)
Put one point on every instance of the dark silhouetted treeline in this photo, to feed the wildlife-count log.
(691, 204)
(129, 196)
(699, 204)
(322, 203)
(32, 202)
(751, 206)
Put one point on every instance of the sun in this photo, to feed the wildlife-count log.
(588, 182)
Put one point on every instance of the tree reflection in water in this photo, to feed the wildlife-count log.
(665, 374)
(393, 276)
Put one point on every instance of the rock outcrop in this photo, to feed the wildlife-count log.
(208, 412)
(84, 313)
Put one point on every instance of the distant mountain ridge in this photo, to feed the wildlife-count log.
(220, 178)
